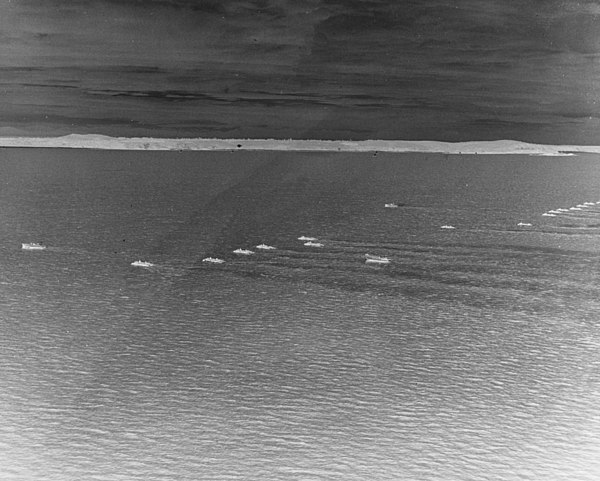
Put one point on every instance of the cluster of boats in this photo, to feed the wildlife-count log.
(307, 241)
(314, 242)
(310, 242)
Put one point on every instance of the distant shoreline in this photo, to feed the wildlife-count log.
(103, 142)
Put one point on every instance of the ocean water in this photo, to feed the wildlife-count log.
(473, 355)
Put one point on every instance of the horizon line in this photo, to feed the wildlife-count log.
(104, 142)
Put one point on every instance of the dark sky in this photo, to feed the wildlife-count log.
(416, 70)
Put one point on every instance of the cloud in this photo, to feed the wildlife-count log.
(577, 32)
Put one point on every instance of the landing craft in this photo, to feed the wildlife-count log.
(142, 264)
(313, 244)
(243, 252)
(265, 247)
(213, 260)
(33, 246)
(371, 259)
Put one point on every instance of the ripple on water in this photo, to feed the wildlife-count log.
(473, 355)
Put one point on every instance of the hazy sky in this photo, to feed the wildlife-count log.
(430, 69)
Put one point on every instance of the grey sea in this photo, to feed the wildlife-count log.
(473, 355)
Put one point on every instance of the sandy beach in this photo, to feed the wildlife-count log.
(499, 147)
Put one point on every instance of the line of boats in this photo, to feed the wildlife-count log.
(310, 242)
(369, 259)
(562, 210)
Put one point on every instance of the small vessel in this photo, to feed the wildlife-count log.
(447, 227)
(139, 263)
(524, 224)
(391, 206)
(313, 244)
(32, 246)
(304, 238)
(213, 260)
(265, 247)
(243, 252)
(371, 259)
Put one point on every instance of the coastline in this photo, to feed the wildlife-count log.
(497, 147)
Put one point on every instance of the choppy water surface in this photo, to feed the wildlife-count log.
(475, 354)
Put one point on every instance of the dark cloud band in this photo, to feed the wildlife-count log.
(456, 70)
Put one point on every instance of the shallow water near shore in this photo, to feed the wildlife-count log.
(475, 354)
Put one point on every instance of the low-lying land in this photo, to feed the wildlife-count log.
(146, 143)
